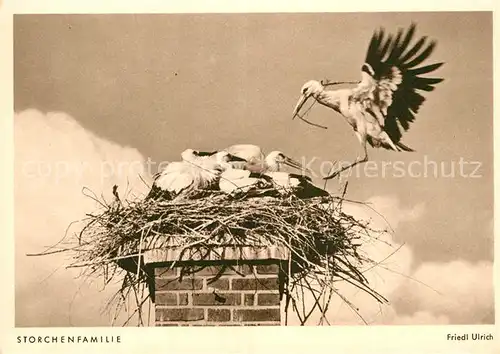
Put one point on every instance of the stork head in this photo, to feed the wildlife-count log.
(310, 88)
(189, 155)
(276, 159)
(367, 68)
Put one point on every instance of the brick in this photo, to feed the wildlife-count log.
(249, 299)
(165, 272)
(220, 284)
(255, 284)
(268, 269)
(228, 270)
(183, 314)
(219, 299)
(268, 299)
(244, 269)
(219, 315)
(183, 299)
(175, 284)
(194, 323)
(257, 315)
(210, 270)
(167, 299)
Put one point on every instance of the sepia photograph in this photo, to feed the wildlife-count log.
(254, 169)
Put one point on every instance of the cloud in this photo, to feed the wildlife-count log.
(461, 291)
(420, 318)
(456, 292)
(383, 213)
(54, 158)
(387, 211)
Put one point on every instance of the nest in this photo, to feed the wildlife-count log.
(322, 241)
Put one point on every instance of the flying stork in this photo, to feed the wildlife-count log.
(384, 103)
(197, 171)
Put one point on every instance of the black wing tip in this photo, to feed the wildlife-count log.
(424, 69)
(438, 65)
(234, 158)
(430, 86)
(206, 153)
(404, 147)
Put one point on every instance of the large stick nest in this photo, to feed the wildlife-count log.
(323, 242)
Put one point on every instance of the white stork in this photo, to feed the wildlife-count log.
(382, 106)
(239, 179)
(273, 162)
(248, 152)
(257, 162)
(257, 175)
(196, 172)
(299, 185)
(243, 182)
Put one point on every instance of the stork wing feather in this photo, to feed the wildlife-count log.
(206, 153)
(175, 182)
(246, 151)
(391, 80)
(425, 70)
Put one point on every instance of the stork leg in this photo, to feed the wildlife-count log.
(362, 140)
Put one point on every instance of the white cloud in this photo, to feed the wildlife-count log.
(459, 290)
(420, 318)
(386, 211)
(383, 213)
(455, 292)
(54, 158)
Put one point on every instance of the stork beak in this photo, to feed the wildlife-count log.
(292, 163)
(299, 105)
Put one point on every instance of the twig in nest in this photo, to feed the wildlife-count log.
(322, 241)
(327, 82)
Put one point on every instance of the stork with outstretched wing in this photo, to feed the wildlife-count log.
(384, 103)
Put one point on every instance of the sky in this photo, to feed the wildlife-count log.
(96, 92)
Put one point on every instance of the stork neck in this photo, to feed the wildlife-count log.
(272, 167)
(328, 98)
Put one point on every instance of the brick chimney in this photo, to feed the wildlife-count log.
(229, 286)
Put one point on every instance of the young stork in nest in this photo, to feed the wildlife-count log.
(382, 106)
(198, 171)
(256, 176)
(250, 153)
